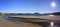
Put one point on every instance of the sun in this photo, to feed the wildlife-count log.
(53, 4)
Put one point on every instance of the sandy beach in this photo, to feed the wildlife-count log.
(7, 23)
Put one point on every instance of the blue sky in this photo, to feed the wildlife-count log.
(29, 6)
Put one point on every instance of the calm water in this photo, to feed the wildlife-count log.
(44, 24)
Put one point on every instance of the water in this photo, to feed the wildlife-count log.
(44, 24)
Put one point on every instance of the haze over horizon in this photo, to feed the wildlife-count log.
(29, 6)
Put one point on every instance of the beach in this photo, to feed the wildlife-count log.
(7, 23)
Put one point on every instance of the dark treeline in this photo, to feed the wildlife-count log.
(56, 13)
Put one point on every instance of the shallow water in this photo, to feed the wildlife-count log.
(44, 24)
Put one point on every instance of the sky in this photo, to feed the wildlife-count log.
(29, 6)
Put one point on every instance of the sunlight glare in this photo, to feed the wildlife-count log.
(52, 24)
(53, 4)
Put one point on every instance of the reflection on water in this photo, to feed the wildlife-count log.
(44, 24)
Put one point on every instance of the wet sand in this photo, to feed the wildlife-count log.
(7, 23)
